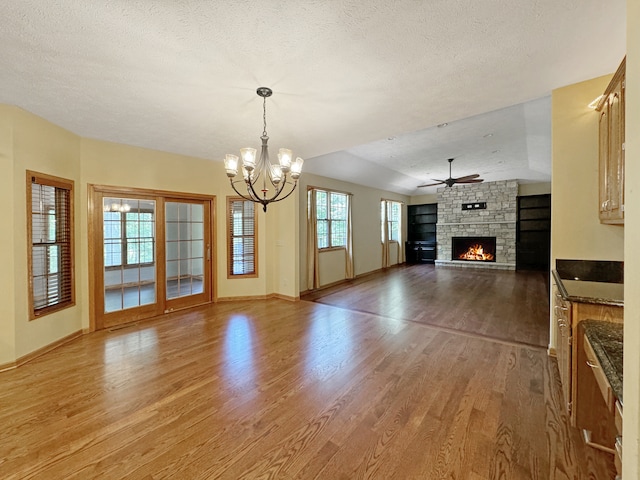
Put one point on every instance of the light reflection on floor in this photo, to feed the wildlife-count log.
(329, 344)
(239, 367)
(141, 345)
(124, 356)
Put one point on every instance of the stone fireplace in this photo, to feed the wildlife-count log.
(495, 220)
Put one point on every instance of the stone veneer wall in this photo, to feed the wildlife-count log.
(497, 220)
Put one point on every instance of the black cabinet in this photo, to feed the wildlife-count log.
(421, 233)
(533, 233)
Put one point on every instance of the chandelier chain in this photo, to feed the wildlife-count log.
(264, 116)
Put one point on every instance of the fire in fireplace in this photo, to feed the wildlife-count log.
(474, 249)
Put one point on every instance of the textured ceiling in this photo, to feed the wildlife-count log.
(180, 76)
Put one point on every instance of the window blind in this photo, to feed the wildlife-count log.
(51, 243)
(241, 237)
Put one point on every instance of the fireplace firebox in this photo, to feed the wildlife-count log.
(473, 249)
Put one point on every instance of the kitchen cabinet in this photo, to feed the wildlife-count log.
(596, 413)
(562, 316)
(574, 302)
(611, 124)
(600, 369)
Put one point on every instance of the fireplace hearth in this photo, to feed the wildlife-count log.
(473, 249)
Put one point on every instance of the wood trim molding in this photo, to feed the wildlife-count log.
(7, 366)
(259, 297)
(150, 192)
(242, 298)
(41, 351)
(285, 297)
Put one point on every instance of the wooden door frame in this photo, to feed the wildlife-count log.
(95, 257)
(180, 303)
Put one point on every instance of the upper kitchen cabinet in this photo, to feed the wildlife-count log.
(611, 146)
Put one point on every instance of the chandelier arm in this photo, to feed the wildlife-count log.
(274, 199)
(238, 192)
(252, 191)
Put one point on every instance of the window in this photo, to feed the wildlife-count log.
(128, 232)
(393, 212)
(50, 236)
(331, 217)
(241, 242)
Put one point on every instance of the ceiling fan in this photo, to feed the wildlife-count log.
(450, 182)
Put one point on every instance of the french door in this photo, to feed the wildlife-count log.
(151, 253)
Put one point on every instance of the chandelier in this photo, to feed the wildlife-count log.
(265, 182)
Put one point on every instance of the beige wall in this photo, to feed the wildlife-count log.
(28, 142)
(43, 147)
(576, 231)
(105, 163)
(631, 428)
(7, 214)
(367, 246)
(422, 199)
(526, 189)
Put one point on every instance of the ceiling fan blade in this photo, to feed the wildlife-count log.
(438, 182)
(467, 177)
(477, 180)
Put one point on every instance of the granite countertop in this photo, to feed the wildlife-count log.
(606, 338)
(603, 293)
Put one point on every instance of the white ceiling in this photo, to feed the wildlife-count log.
(347, 76)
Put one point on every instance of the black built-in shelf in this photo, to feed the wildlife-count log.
(421, 233)
(533, 232)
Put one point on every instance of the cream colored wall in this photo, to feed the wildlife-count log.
(576, 231)
(367, 247)
(43, 147)
(105, 163)
(28, 142)
(283, 238)
(526, 189)
(422, 199)
(631, 427)
(7, 214)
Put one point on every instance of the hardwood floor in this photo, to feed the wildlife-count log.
(281, 390)
(503, 305)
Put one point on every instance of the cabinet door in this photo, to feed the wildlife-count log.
(603, 145)
(611, 150)
(562, 316)
(615, 171)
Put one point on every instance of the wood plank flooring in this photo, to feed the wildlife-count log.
(282, 390)
(503, 305)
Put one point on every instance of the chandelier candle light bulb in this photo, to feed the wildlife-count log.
(273, 177)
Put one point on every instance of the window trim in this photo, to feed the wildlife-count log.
(330, 221)
(388, 204)
(230, 236)
(62, 184)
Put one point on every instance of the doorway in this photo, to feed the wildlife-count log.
(150, 253)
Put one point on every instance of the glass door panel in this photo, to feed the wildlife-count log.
(186, 249)
(129, 253)
(149, 254)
